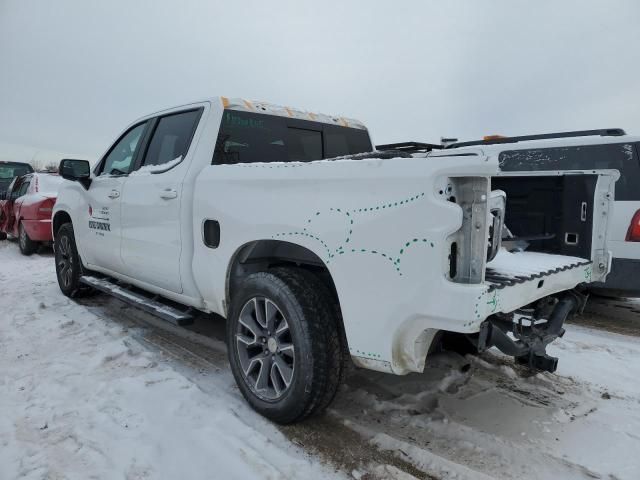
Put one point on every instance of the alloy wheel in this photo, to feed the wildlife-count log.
(64, 260)
(265, 348)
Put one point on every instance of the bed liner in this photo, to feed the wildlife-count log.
(508, 269)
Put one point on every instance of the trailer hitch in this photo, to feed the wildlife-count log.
(530, 341)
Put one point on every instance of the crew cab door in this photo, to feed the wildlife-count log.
(102, 229)
(151, 202)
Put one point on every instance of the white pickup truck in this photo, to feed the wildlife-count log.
(279, 221)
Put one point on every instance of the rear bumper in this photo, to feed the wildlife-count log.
(622, 281)
(38, 230)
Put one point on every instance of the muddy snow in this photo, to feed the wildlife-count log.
(96, 389)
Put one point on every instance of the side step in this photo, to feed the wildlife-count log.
(153, 305)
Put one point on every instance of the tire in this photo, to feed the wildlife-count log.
(3, 236)
(308, 344)
(27, 246)
(68, 264)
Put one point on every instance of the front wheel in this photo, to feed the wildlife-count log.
(283, 344)
(68, 266)
(27, 246)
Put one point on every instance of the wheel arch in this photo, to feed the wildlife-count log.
(261, 255)
(59, 219)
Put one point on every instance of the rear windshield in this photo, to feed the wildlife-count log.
(11, 170)
(617, 156)
(247, 137)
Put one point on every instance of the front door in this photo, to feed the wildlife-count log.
(151, 227)
(102, 227)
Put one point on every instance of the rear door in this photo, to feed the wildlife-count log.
(101, 227)
(151, 202)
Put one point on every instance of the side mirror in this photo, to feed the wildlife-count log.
(76, 171)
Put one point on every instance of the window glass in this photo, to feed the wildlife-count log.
(247, 137)
(303, 145)
(120, 159)
(23, 189)
(12, 170)
(618, 156)
(346, 141)
(172, 137)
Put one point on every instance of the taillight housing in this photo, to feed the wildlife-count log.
(45, 208)
(633, 234)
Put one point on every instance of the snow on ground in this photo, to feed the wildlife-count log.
(87, 391)
(80, 398)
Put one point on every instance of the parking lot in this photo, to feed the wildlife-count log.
(167, 405)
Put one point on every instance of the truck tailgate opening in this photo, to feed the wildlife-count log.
(516, 279)
(508, 269)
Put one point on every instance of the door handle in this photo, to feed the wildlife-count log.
(114, 194)
(169, 194)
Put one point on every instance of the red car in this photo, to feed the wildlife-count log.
(25, 212)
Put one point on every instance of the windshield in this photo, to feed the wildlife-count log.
(9, 171)
(247, 137)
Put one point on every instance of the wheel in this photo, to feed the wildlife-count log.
(27, 246)
(3, 236)
(283, 344)
(68, 264)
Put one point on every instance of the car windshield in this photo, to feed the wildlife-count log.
(11, 170)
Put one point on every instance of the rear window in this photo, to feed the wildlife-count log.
(617, 156)
(246, 137)
(12, 170)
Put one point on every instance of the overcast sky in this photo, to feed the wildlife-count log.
(74, 73)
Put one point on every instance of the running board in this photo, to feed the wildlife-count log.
(153, 305)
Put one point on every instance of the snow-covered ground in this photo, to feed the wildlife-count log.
(95, 389)
(81, 398)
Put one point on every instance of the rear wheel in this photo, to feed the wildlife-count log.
(283, 344)
(68, 265)
(27, 246)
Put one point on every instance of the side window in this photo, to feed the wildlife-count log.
(14, 188)
(120, 159)
(23, 189)
(172, 137)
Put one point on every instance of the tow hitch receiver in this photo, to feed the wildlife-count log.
(532, 329)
